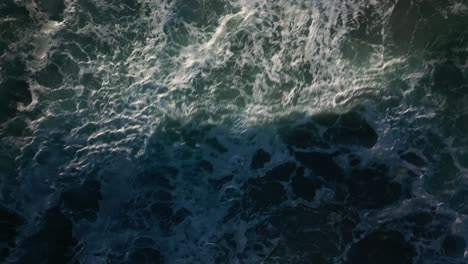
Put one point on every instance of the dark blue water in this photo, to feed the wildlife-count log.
(215, 131)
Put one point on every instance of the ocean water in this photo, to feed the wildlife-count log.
(234, 131)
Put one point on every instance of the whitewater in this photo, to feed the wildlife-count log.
(244, 131)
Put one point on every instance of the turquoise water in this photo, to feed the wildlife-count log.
(213, 131)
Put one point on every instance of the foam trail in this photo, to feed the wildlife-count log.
(239, 131)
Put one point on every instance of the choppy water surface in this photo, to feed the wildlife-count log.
(245, 131)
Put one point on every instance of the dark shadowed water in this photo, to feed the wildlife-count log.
(243, 131)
